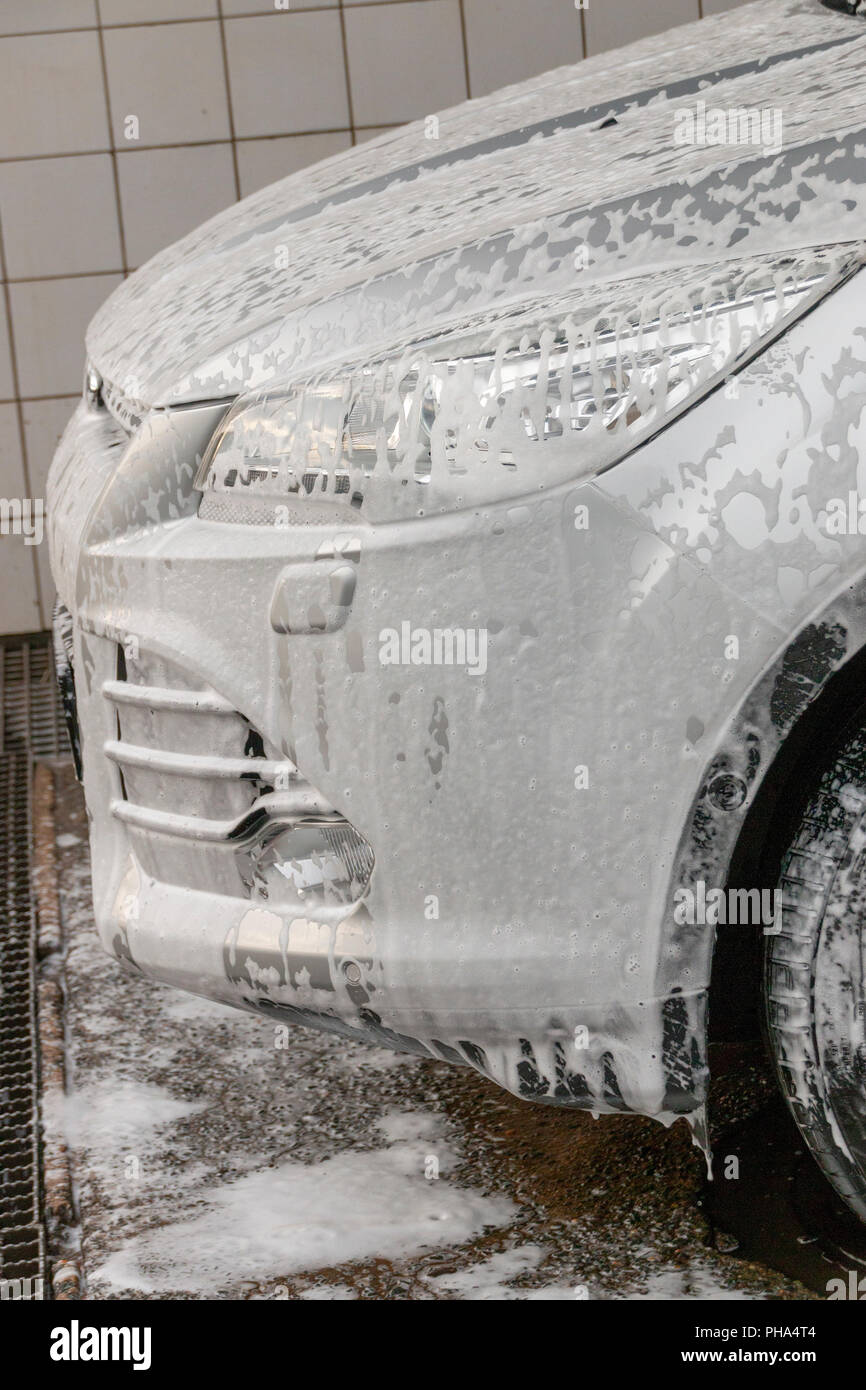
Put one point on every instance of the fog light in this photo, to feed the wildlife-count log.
(314, 864)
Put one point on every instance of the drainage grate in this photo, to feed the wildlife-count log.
(22, 1251)
(32, 717)
(31, 726)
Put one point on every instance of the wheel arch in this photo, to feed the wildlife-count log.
(775, 746)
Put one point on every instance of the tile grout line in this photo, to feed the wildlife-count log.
(228, 87)
(113, 152)
(19, 413)
(34, 400)
(349, 98)
(465, 43)
(196, 144)
(63, 275)
(263, 13)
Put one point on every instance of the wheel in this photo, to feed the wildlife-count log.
(815, 974)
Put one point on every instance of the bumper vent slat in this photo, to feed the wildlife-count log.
(152, 697)
(268, 812)
(200, 765)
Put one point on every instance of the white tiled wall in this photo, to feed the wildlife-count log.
(228, 96)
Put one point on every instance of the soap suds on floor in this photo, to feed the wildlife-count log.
(299, 1216)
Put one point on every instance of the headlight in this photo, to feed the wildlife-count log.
(542, 397)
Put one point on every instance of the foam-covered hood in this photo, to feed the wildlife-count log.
(584, 174)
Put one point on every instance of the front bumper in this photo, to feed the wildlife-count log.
(508, 922)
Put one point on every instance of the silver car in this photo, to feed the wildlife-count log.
(462, 587)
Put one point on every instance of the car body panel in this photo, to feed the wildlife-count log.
(531, 821)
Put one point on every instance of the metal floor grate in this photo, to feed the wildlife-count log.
(32, 716)
(22, 1252)
(31, 726)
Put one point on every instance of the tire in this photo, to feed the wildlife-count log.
(815, 975)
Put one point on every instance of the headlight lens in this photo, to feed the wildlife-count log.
(540, 398)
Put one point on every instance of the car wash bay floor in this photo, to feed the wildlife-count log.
(209, 1160)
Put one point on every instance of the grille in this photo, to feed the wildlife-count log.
(256, 511)
(205, 806)
(125, 409)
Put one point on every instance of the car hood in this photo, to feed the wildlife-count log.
(597, 171)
